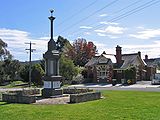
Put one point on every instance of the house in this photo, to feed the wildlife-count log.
(99, 69)
(106, 67)
(151, 68)
(124, 61)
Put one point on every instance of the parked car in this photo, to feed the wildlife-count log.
(155, 82)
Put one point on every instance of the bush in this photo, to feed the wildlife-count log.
(24, 73)
(67, 69)
(130, 75)
(37, 73)
(78, 79)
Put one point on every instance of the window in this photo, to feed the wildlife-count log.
(102, 71)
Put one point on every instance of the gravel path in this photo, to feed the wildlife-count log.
(59, 100)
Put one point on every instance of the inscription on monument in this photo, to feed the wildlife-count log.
(47, 84)
(56, 84)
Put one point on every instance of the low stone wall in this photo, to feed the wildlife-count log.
(77, 98)
(26, 92)
(75, 90)
(14, 98)
(21, 96)
(0, 96)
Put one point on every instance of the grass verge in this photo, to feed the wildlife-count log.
(117, 105)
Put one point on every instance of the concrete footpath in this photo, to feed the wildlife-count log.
(139, 86)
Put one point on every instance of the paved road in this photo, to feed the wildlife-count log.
(130, 89)
(140, 86)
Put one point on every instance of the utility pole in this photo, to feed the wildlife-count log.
(30, 58)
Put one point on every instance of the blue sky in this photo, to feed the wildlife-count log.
(105, 22)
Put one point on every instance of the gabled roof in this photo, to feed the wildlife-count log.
(98, 60)
(92, 61)
(150, 62)
(153, 62)
(131, 59)
(111, 56)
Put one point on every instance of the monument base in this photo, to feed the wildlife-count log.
(46, 92)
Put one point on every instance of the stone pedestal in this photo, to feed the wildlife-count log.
(51, 92)
(52, 86)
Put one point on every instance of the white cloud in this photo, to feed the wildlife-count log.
(127, 49)
(112, 37)
(101, 34)
(150, 49)
(102, 47)
(87, 33)
(146, 34)
(16, 33)
(103, 15)
(140, 27)
(100, 31)
(44, 38)
(85, 27)
(108, 23)
(16, 40)
(155, 44)
(112, 30)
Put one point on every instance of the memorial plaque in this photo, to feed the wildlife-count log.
(47, 84)
(56, 84)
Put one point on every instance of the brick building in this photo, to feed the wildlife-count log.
(99, 69)
(106, 67)
(124, 61)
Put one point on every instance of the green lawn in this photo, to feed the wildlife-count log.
(17, 84)
(117, 105)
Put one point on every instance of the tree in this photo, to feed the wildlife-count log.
(130, 75)
(64, 46)
(37, 73)
(83, 51)
(61, 42)
(4, 53)
(24, 72)
(11, 68)
(42, 63)
(2, 74)
(67, 69)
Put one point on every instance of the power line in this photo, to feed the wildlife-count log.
(69, 27)
(117, 11)
(79, 11)
(148, 4)
(30, 58)
(135, 10)
(130, 5)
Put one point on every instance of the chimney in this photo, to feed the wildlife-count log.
(146, 57)
(118, 55)
(104, 52)
(139, 53)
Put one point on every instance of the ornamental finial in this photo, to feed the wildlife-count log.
(51, 11)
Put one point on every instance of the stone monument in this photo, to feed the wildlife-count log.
(52, 79)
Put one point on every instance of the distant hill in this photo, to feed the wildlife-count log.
(33, 62)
